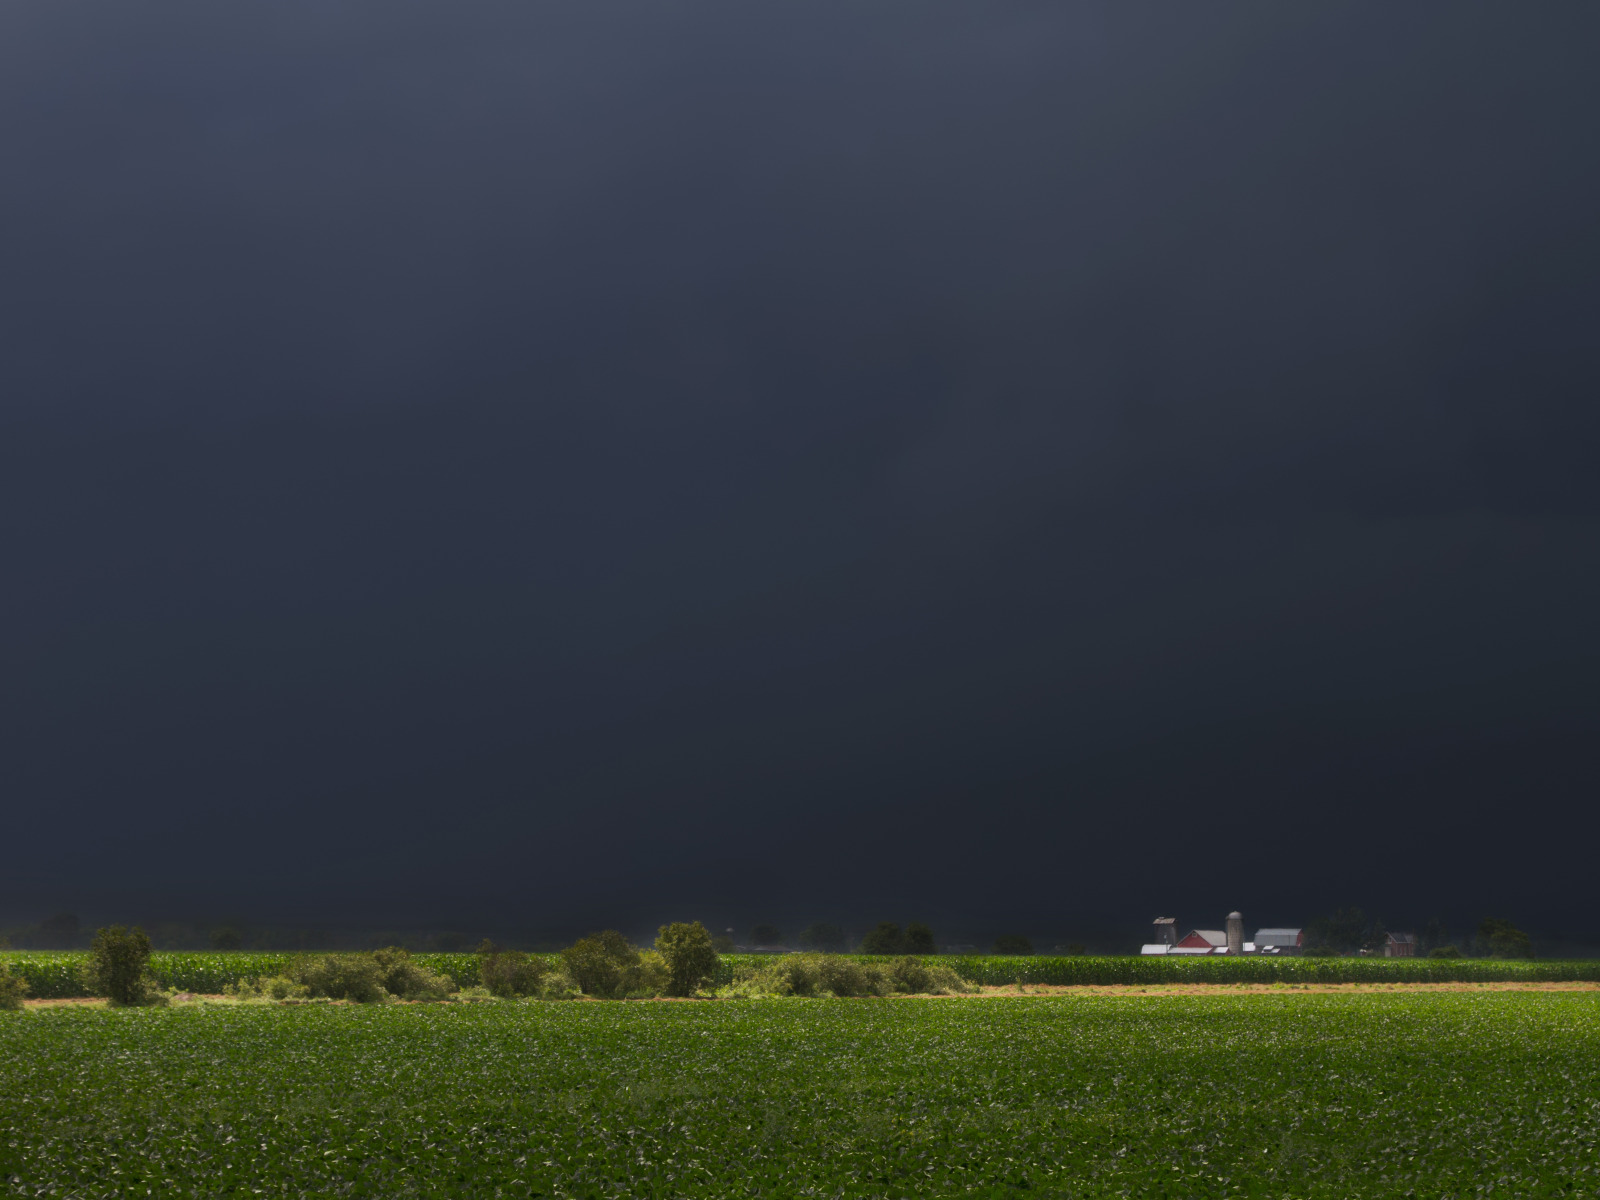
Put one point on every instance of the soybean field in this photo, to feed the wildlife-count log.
(1435, 1094)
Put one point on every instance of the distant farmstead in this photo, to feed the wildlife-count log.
(1217, 941)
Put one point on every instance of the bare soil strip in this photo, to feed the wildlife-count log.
(1275, 989)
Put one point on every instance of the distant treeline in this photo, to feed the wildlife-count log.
(58, 974)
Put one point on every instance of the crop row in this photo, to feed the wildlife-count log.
(56, 975)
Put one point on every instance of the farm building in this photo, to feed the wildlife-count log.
(1222, 941)
(1280, 941)
(1196, 941)
(1400, 945)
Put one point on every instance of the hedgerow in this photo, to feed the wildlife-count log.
(52, 974)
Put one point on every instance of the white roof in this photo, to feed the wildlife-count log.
(1277, 937)
(1215, 936)
(1154, 948)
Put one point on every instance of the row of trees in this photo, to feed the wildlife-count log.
(1351, 931)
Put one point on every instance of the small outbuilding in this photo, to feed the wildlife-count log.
(1280, 941)
(1399, 945)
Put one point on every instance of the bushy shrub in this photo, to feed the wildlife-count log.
(1012, 943)
(354, 977)
(116, 968)
(274, 987)
(370, 978)
(13, 989)
(603, 964)
(653, 976)
(508, 973)
(408, 979)
(690, 957)
(1444, 952)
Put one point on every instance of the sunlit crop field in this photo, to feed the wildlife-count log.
(1297, 1095)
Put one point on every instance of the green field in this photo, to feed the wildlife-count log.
(55, 974)
(1241, 1094)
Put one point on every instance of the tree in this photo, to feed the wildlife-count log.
(509, 972)
(690, 955)
(226, 938)
(602, 964)
(821, 936)
(1012, 943)
(1434, 934)
(1502, 939)
(885, 939)
(1344, 932)
(766, 935)
(116, 967)
(919, 939)
(722, 943)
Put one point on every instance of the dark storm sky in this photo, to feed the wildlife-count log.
(1013, 464)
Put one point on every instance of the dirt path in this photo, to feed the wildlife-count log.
(1229, 989)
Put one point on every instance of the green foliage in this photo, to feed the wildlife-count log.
(1012, 943)
(837, 975)
(356, 977)
(690, 957)
(1263, 1095)
(886, 938)
(277, 987)
(919, 939)
(13, 990)
(226, 938)
(822, 937)
(509, 973)
(1502, 939)
(116, 967)
(603, 965)
(370, 978)
(56, 974)
(1444, 952)
(405, 977)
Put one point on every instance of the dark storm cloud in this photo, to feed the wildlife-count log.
(820, 457)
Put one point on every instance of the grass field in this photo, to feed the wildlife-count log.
(55, 973)
(1270, 1095)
